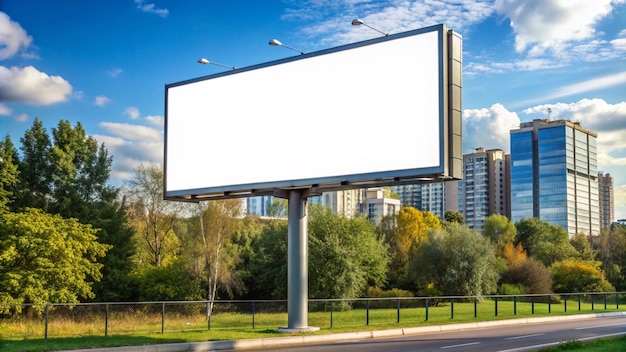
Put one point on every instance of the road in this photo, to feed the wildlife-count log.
(525, 337)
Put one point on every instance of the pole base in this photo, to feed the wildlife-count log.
(304, 329)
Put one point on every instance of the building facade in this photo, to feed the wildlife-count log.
(433, 197)
(554, 175)
(607, 212)
(484, 190)
(376, 206)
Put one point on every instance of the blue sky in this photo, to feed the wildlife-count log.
(105, 63)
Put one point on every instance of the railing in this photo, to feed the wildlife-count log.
(118, 318)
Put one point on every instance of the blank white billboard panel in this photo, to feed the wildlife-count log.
(366, 111)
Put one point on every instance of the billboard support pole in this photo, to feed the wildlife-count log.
(297, 263)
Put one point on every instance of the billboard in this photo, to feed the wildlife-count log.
(377, 112)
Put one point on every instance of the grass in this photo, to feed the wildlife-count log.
(73, 329)
(603, 345)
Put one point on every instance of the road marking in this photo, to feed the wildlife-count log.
(461, 345)
(598, 326)
(602, 336)
(523, 337)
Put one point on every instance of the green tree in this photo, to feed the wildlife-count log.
(153, 217)
(172, 282)
(211, 246)
(46, 259)
(345, 256)
(582, 244)
(531, 274)
(8, 172)
(500, 230)
(575, 275)
(544, 242)
(454, 216)
(611, 249)
(412, 228)
(455, 261)
(36, 170)
(267, 264)
(278, 207)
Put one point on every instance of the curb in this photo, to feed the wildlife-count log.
(310, 339)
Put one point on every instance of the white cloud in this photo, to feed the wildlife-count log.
(151, 8)
(132, 112)
(131, 145)
(156, 120)
(488, 128)
(620, 195)
(13, 37)
(21, 118)
(5, 110)
(101, 100)
(28, 85)
(388, 16)
(114, 72)
(133, 132)
(594, 114)
(542, 25)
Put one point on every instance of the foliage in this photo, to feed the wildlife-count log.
(514, 255)
(153, 217)
(511, 289)
(575, 275)
(210, 247)
(344, 255)
(411, 228)
(500, 230)
(278, 207)
(377, 292)
(544, 242)
(457, 261)
(267, 262)
(582, 244)
(454, 216)
(531, 274)
(611, 251)
(8, 171)
(168, 282)
(46, 259)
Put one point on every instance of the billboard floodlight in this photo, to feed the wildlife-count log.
(276, 42)
(358, 22)
(206, 62)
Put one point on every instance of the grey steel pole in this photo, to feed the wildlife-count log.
(297, 258)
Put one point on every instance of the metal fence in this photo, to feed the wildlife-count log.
(119, 318)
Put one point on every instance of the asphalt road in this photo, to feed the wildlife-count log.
(526, 337)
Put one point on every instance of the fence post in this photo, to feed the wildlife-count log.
(532, 302)
(579, 296)
(616, 300)
(45, 334)
(426, 309)
(475, 307)
(514, 305)
(106, 320)
(592, 302)
(496, 306)
(452, 309)
(398, 320)
(367, 313)
(604, 301)
(565, 303)
(163, 318)
(549, 303)
(253, 314)
(331, 314)
(208, 316)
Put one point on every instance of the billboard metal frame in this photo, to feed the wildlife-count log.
(450, 152)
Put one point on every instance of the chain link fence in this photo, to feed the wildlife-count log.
(27, 321)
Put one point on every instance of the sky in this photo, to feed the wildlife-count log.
(105, 63)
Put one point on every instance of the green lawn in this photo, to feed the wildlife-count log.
(83, 331)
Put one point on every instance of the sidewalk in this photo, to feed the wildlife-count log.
(311, 339)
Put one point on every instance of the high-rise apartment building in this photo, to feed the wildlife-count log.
(484, 190)
(554, 175)
(607, 212)
(432, 197)
(376, 206)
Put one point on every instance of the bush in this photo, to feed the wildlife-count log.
(511, 289)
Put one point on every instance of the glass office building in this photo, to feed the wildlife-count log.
(554, 175)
